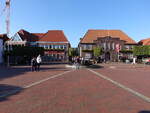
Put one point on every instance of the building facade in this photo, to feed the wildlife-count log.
(54, 42)
(110, 47)
(3, 38)
(109, 40)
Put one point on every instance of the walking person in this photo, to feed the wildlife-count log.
(38, 60)
(77, 62)
(33, 64)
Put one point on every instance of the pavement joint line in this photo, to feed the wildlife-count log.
(46, 79)
(145, 98)
(33, 84)
(131, 69)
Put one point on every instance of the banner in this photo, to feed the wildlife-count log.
(118, 47)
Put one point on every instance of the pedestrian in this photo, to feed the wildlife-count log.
(38, 60)
(77, 62)
(82, 60)
(33, 64)
(134, 60)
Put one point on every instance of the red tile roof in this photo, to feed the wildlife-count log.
(92, 35)
(50, 36)
(54, 36)
(36, 36)
(145, 41)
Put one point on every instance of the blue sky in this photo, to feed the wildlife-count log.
(75, 17)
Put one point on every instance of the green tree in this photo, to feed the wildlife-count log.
(27, 51)
(97, 51)
(141, 50)
(22, 53)
(73, 52)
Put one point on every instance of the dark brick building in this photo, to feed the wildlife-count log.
(108, 40)
(3, 39)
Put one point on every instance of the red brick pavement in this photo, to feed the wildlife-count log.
(75, 92)
(134, 77)
(17, 77)
(22, 75)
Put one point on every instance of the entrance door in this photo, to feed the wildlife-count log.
(107, 56)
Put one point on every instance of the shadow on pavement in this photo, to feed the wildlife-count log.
(20, 70)
(94, 66)
(144, 111)
(54, 69)
(8, 90)
(55, 63)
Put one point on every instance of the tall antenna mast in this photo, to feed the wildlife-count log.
(8, 17)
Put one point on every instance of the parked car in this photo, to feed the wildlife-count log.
(146, 61)
(87, 61)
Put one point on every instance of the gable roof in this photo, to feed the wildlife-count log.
(31, 37)
(145, 41)
(4, 37)
(36, 36)
(25, 35)
(54, 36)
(50, 36)
(92, 35)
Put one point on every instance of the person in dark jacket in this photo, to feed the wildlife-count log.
(33, 64)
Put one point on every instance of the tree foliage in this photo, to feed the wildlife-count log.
(97, 51)
(141, 50)
(22, 54)
(126, 51)
(25, 51)
(73, 52)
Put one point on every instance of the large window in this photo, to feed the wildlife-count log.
(50, 46)
(127, 47)
(46, 46)
(61, 47)
(65, 47)
(108, 45)
(87, 47)
(113, 46)
(104, 45)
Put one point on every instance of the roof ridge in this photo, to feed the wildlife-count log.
(37, 33)
(64, 35)
(127, 36)
(43, 35)
(144, 39)
(104, 30)
(54, 36)
(94, 33)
